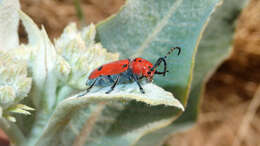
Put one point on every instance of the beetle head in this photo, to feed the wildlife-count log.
(143, 68)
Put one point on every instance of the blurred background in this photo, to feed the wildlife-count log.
(230, 109)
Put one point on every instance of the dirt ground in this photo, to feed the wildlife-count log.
(54, 15)
(230, 113)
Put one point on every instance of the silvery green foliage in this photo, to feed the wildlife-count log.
(14, 86)
(57, 71)
(80, 54)
(214, 48)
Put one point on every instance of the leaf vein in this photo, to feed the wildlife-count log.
(158, 28)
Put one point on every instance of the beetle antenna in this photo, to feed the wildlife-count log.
(171, 50)
(163, 59)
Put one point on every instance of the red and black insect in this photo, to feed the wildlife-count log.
(135, 69)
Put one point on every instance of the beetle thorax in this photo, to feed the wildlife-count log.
(142, 67)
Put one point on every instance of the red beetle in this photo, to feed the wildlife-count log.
(135, 69)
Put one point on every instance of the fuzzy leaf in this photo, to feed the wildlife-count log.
(157, 25)
(11, 118)
(14, 83)
(149, 29)
(142, 28)
(57, 72)
(24, 107)
(214, 48)
(20, 109)
(154, 96)
(43, 64)
(82, 54)
(7, 95)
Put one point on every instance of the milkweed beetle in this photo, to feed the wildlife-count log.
(134, 69)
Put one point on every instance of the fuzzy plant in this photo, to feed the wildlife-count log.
(40, 81)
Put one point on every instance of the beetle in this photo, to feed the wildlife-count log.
(135, 69)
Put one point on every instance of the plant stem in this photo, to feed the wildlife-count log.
(80, 13)
(38, 126)
(13, 132)
(43, 116)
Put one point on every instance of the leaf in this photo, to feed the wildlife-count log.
(118, 119)
(57, 72)
(61, 120)
(157, 25)
(9, 24)
(214, 48)
(149, 29)
(43, 64)
(82, 54)
(15, 136)
(20, 109)
(14, 83)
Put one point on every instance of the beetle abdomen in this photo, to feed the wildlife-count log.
(112, 68)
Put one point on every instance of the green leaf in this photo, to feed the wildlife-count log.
(82, 54)
(66, 122)
(14, 83)
(215, 46)
(149, 29)
(43, 65)
(57, 72)
(142, 28)
(20, 109)
(15, 136)
(157, 25)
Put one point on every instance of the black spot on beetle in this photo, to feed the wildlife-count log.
(149, 72)
(135, 60)
(99, 69)
(139, 60)
(125, 65)
(149, 66)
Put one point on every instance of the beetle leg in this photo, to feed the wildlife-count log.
(110, 79)
(113, 86)
(89, 88)
(136, 80)
(140, 78)
(92, 85)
